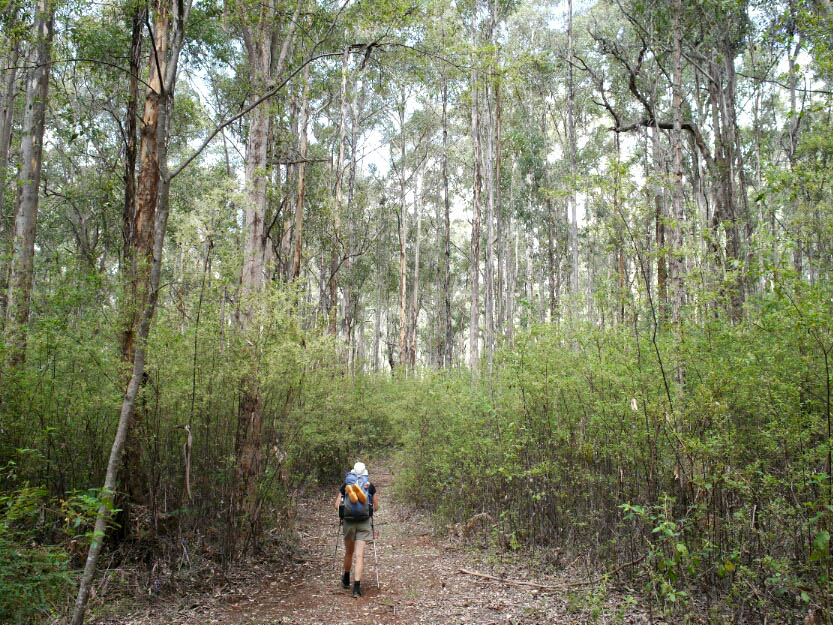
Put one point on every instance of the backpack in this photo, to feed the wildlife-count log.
(357, 510)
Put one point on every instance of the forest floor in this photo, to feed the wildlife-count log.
(423, 578)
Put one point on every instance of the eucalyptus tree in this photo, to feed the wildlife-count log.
(532, 79)
(445, 60)
(26, 212)
(152, 209)
(13, 40)
(301, 177)
(477, 189)
(267, 30)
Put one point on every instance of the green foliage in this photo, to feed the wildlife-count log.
(34, 576)
(718, 482)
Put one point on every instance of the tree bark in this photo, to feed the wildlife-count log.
(403, 234)
(659, 223)
(131, 478)
(446, 253)
(676, 146)
(299, 205)
(170, 24)
(351, 295)
(474, 310)
(31, 155)
(380, 278)
(6, 123)
(725, 211)
(792, 54)
(489, 294)
(265, 63)
(338, 200)
(571, 130)
(500, 240)
(415, 287)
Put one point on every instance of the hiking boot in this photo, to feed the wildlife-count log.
(345, 580)
(357, 590)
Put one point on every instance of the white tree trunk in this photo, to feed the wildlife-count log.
(299, 198)
(415, 287)
(474, 310)
(403, 240)
(31, 151)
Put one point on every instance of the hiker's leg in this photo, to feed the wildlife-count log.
(359, 560)
(348, 553)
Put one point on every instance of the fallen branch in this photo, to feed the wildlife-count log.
(519, 582)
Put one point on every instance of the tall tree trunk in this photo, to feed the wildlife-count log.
(403, 234)
(380, 278)
(552, 307)
(725, 211)
(260, 40)
(132, 475)
(446, 253)
(299, 197)
(130, 126)
(7, 118)
(510, 263)
(659, 222)
(351, 295)
(489, 286)
(571, 130)
(739, 224)
(489, 163)
(6, 123)
(170, 20)
(550, 226)
(31, 153)
(677, 149)
(511, 282)
(415, 286)
(474, 311)
(500, 229)
(248, 438)
(338, 204)
(792, 54)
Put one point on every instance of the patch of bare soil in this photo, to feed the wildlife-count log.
(421, 580)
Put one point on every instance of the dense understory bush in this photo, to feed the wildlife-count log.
(704, 454)
(34, 574)
(63, 403)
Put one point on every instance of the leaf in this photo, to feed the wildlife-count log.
(821, 545)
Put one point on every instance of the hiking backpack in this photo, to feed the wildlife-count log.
(358, 510)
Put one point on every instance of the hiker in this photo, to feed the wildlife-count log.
(356, 522)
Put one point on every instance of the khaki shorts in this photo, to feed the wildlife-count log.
(357, 530)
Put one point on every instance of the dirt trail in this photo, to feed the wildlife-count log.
(419, 582)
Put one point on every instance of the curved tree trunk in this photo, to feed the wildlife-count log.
(169, 22)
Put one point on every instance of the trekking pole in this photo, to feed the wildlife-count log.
(335, 553)
(375, 557)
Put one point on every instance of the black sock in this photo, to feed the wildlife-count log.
(357, 588)
(345, 579)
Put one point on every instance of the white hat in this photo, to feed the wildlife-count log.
(359, 469)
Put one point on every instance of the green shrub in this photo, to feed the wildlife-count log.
(34, 577)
